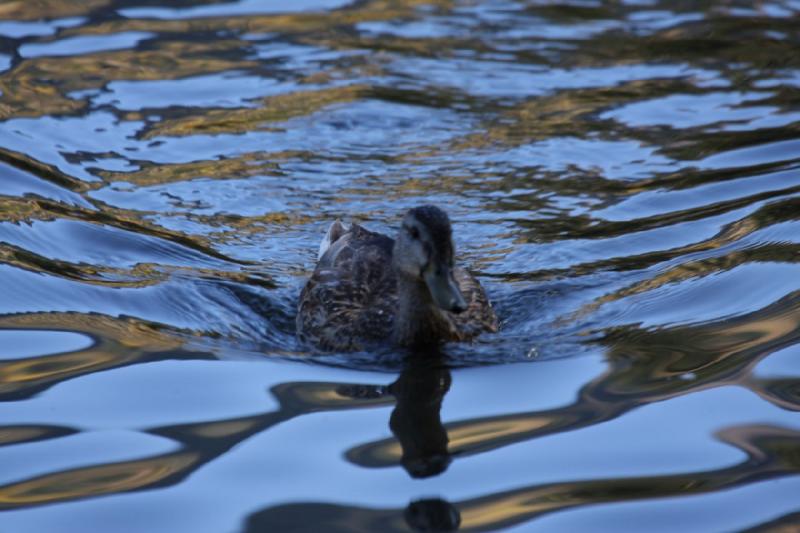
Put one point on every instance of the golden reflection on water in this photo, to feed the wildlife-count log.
(95, 481)
(716, 354)
(117, 342)
(783, 211)
(772, 452)
(39, 85)
(245, 165)
(278, 108)
(782, 392)
(24, 94)
(224, 429)
(25, 10)
(20, 434)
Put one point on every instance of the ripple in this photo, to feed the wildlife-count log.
(18, 344)
(85, 243)
(84, 44)
(622, 178)
(689, 111)
(95, 134)
(76, 451)
(497, 79)
(231, 89)
(20, 183)
(17, 29)
(784, 150)
(239, 8)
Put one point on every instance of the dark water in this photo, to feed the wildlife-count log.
(624, 177)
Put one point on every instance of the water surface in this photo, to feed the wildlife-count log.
(623, 178)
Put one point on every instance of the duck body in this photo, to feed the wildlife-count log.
(369, 289)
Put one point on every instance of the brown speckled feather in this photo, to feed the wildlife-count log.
(479, 316)
(349, 302)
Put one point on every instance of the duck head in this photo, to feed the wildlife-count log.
(423, 252)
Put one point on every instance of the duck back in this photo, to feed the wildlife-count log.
(350, 300)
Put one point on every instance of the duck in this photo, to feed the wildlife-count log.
(368, 289)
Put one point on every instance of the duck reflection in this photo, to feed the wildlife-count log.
(421, 515)
(421, 440)
(432, 514)
(416, 419)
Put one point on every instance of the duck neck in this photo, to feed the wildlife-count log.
(419, 321)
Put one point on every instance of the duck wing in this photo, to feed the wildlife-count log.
(350, 299)
(479, 317)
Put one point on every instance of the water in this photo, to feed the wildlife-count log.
(623, 177)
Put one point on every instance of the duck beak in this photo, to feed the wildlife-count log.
(444, 289)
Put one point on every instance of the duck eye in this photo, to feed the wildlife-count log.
(414, 232)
